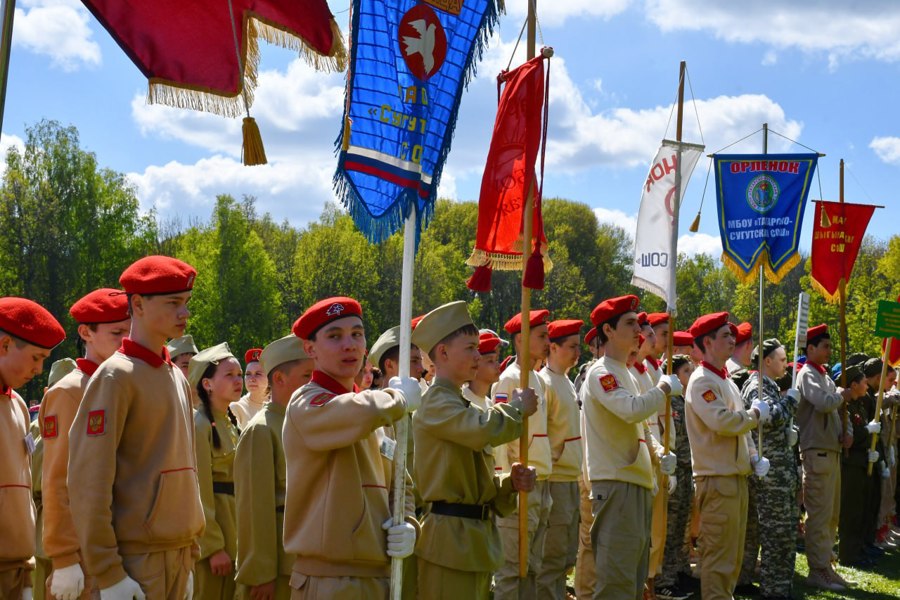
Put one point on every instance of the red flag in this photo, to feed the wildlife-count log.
(189, 49)
(837, 235)
(508, 174)
(894, 358)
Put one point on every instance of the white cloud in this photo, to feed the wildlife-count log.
(6, 142)
(693, 244)
(839, 29)
(554, 14)
(58, 29)
(887, 149)
(617, 217)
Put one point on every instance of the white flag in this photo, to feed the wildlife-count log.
(654, 241)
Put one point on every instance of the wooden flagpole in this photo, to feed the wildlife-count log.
(877, 416)
(525, 352)
(6, 30)
(759, 366)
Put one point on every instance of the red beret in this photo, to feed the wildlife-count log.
(252, 355)
(105, 305)
(814, 332)
(506, 362)
(708, 323)
(415, 322)
(744, 332)
(590, 335)
(613, 307)
(657, 319)
(323, 312)
(158, 275)
(682, 338)
(564, 328)
(31, 322)
(642, 319)
(537, 317)
(488, 341)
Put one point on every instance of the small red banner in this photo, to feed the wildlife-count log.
(837, 234)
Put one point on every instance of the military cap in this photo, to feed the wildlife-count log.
(872, 367)
(30, 322)
(857, 358)
(324, 312)
(536, 317)
(158, 275)
(708, 323)
(105, 305)
(682, 338)
(488, 341)
(182, 345)
(657, 319)
(590, 335)
(769, 346)
(642, 319)
(613, 307)
(744, 333)
(741, 376)
(208, 356)
(564, 328)
(282, 350)
(252, 355)
(678, 361)
(387, 340)
(60, 369)
(440, 323)
(813, 334)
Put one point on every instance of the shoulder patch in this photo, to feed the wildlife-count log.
(609, 382)
(321, 399)
(50, 428)
(501, 399)
(96, 424)
(709, 396)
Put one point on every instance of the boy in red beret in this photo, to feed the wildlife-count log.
(133, 490)
(257, 389)
(340, 464)
(478, 390)
(28, 332)
(723, 455)
(743, 347)
(618, 457)
(507, 583)
(567, 454)
(103, 321)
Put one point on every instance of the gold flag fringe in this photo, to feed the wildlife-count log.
(834, 298)
(771, 275)
(179, 95)
(505, 262)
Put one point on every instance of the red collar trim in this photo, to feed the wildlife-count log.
(817, 367)
(640, 368)
(331, 384)
(653, 363)
(88, 367)
(723, 372)
(6, 391)
(134, 350)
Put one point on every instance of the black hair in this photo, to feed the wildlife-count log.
(857, 377)
(392, 353)
(613, 323)
(678, 361)
(464, 330)
(816, 341)
(207, 408)
(377, 375)
(698, 341)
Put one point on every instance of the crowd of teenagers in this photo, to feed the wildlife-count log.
(146, 472)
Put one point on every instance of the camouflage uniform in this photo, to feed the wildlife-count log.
(676, 558)
(582, 372)
(854, 486)
(775, 494)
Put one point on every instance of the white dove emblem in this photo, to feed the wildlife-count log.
(423, 45)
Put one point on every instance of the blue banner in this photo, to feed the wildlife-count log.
(761, 199)
(409, 63)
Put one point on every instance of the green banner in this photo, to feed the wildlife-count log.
(887, 323)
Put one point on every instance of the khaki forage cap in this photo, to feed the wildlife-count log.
(387, 340)
(201, 360)
(440, 323)
(282, 350)
(60, 369)
(183, 345)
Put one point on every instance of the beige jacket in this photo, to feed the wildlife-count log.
(817, 413)
(563, 427)
(539, 455)
(17, 514)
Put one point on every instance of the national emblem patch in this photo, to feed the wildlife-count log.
(50, 429)
(501, 399)
(321, 399)
(709, 396)
(96, 422)
(609, 382)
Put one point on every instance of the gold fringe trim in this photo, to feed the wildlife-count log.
(179, 95)
(834, 298)
(771, 275)
(504, 262)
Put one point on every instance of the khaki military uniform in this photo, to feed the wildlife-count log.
(259, 486)
(721, 446)
(17, 517)
(215, 473)
(132, 474)
(820, 448)
(619, 465)
(460, 543)
(339, 476)
(42, 565)
(507, 583)
(564, 432)
(245, 409)
(585, 577)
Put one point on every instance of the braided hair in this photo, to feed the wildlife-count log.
(207, 405)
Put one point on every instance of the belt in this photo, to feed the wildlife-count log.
(481, 512)
(223, 487)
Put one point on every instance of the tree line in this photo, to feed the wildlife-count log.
(72, 226)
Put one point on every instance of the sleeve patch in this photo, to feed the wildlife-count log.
(50, 429)
(609, 382)
(321, 399)
(501, 399)
(96, 424)
(709, 396)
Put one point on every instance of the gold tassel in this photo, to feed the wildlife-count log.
(695, 226)
(253, 151)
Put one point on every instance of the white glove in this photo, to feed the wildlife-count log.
(67, 583)
(401, 539)
(410, 389)
(26, 593)
(794, 394)
(760, 466)
(873, 427)
(792, 436)
(763, 409)
(885, 472)
(675, 387)
(892, 457)
(873, 456)
(127, 589)
(667, 463)
(189, 591)
(673, 483)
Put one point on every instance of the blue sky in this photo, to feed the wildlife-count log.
(824, 73)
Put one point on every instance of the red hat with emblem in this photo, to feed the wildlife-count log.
(564, 328)
(708, 323)
(536, 317)
(488, 341)
(744, 333)
(613, 307)
(30, 322)
(816, 332)
(590, 335)
(323, 312)
(682, 338)
(158, 275)
(105, 305)
(657, 319)
(252, 355)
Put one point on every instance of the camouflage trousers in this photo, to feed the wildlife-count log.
(676, 558)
